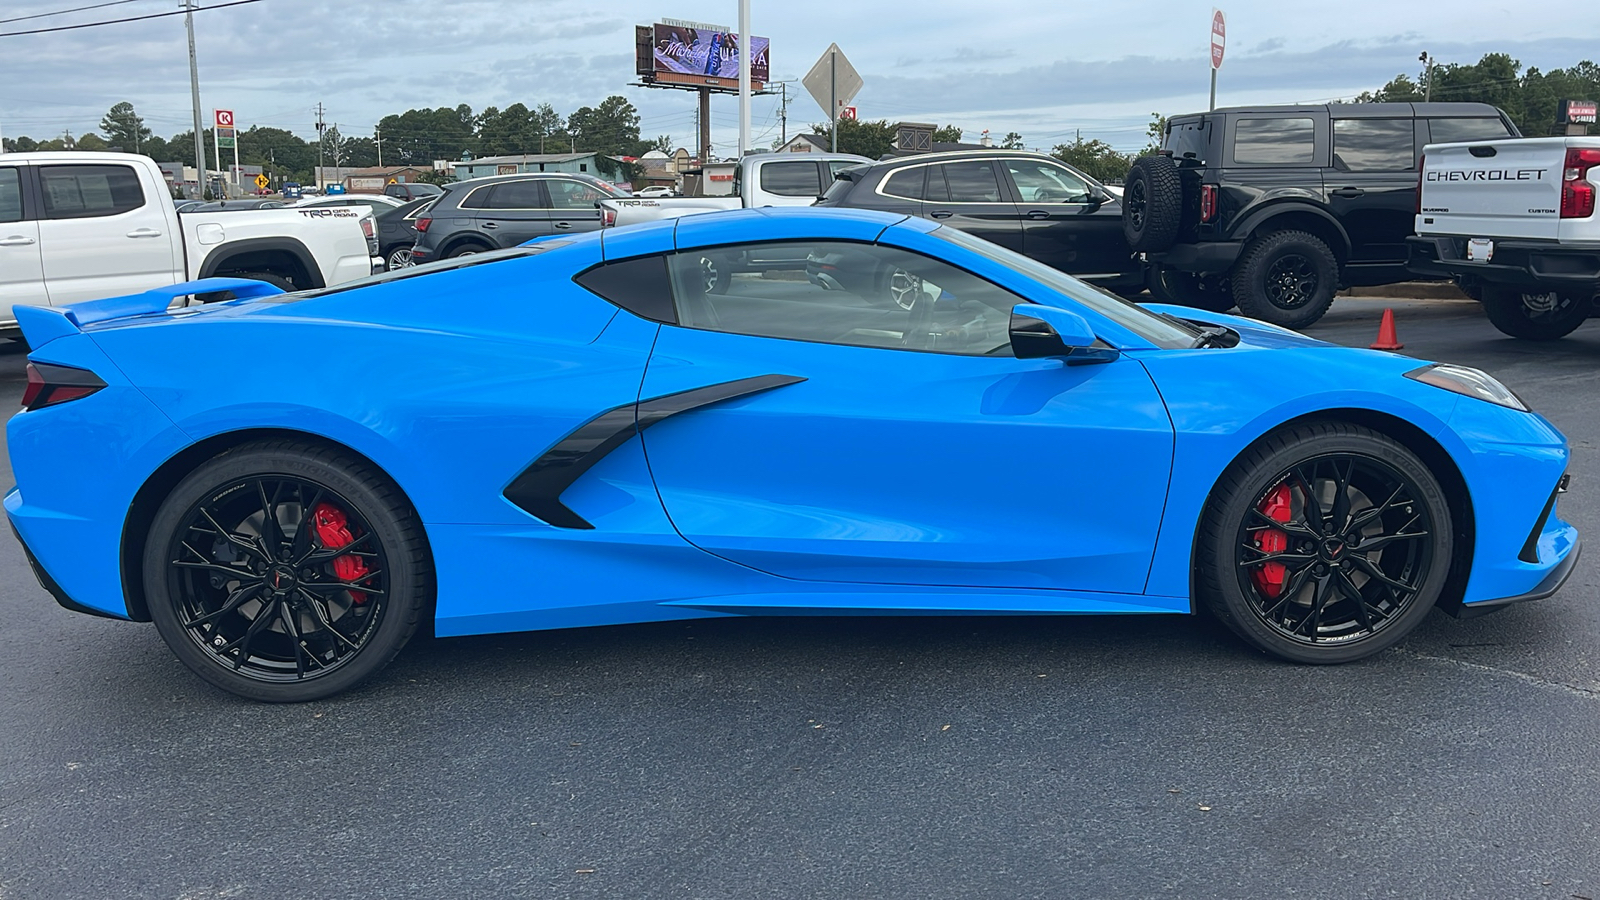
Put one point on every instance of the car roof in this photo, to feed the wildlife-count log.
(947, 155)
(1355, 110)
(777, 223)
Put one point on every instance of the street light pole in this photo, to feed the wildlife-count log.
(744, 77)
(194, 93)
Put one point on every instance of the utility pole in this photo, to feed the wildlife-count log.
(1427, 76)
(783, 113)
(744, 77)
(194, 91)
(377, 138)
(320, 162)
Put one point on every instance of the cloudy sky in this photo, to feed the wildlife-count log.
(1044, 68)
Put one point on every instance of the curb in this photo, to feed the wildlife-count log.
(1409, 290)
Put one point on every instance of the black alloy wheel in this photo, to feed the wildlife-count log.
(1287, 278)
(1135, 203)
(1291, 281)
(285, 572)
(1330, 543)
(1536, 315)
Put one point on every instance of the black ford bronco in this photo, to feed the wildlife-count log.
(1274, 208)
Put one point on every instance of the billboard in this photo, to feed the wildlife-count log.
(696, 54)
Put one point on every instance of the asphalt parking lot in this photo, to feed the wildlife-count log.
(825, 757)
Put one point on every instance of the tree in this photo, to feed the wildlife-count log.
(1400, 89)
(21, 144)
(948, 134)
(663, 142)
(612, 128)
(278, 151)
(1154, 133)
(1094, 158)
(124, 128)
(419, 136)
(92, 141)
(869, 139)
(1012, 141)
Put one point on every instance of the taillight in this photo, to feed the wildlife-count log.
(1208, 202)
(608, 217)
(1422, 166)
(1577, 194)
(49, 385)
(422, 225)
(366, 227)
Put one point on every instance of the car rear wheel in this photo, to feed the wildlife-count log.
(286, 571)
(1286, 278)
(1538, 316)
(399, 258)
(465, 250)
(1325, 543)
(1213, 293)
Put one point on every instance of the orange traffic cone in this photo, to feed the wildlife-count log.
(1387, 339)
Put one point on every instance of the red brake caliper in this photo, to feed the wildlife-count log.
(333, 529)
(1276, 506)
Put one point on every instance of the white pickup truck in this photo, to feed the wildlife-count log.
(1514, 222)
(85, 226)
(762, 179)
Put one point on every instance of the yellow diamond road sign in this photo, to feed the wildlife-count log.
(261, 182)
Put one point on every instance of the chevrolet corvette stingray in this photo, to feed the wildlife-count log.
(757, 412)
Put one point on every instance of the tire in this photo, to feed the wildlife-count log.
(1286, 278)
(1543, 316)
(1212, 293)
(398, 258)
(1303, 612)
(1471, 286)
(465, 250)
(716, 278)
(1152, 204)
(229, 616)
(277, 281)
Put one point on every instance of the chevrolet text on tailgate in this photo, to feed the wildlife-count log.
(83, 226)
(1514, 222)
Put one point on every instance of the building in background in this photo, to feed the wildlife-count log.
(575, 163)
(373, 179)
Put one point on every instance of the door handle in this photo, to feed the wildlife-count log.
(1038, 214)
(490, 225)
(940, 214)
(144, 233)
(16, 240)
(1348, 192)
(563, 224)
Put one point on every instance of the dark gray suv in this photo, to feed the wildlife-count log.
(507, 210)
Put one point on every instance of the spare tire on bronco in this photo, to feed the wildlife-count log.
(1152, 204)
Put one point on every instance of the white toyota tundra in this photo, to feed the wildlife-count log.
(1513, 221)
(85, 226)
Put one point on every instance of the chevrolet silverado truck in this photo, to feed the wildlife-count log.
(81, 226)
(761, 179)
(1513, 221)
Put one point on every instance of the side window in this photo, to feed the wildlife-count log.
(906, 183)
(479, 198)
(1039, 182)
(791, 179)
(1190, 139)
(972, 182)
(1274, 142)
(80, 192)
(516, 195)
(1373, 145)
(860, 295)
(639, 286)
(1451, 131)
(568, 194)
(10, 194)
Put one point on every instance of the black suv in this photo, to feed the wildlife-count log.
(1034, 204)
(1274, 208)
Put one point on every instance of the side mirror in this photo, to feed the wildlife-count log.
(1046, 332)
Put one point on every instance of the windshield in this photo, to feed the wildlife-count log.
(1162, 331)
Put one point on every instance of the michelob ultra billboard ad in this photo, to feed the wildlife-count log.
(707, 51)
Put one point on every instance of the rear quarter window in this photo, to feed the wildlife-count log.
(791, 179)
(1274, 142)
(1191, 139)
(1481, 128)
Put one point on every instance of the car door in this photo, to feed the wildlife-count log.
(1067, 223)
(572, 205)
(101, 234)
(514, 212)
(967, 194)
(1372, 186)
(21, 268)
(824, 435)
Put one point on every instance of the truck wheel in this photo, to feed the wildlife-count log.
(277, 281)
(1538, 316)
(1471, 286)
(1286, 278)
(1152, 204)
(1211, 293)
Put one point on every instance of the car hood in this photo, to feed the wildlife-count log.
(1254, 332)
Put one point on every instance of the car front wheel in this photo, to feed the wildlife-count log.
(286, 571)
(1325, 543)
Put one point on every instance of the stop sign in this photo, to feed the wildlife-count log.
(1219, 35)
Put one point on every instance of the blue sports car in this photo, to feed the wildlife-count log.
(750, 413)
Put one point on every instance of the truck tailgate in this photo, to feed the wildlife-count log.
(1506, 188)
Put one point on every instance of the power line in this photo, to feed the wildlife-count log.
(129, 19)
(62, 12)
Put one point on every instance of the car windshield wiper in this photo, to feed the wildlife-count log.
(1211, 337)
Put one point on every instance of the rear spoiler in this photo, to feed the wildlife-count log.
(43, 324)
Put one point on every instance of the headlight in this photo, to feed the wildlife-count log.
(1470, 382)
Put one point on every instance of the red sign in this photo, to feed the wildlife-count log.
(847, 112)
(224, 118)
(1219, 35)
